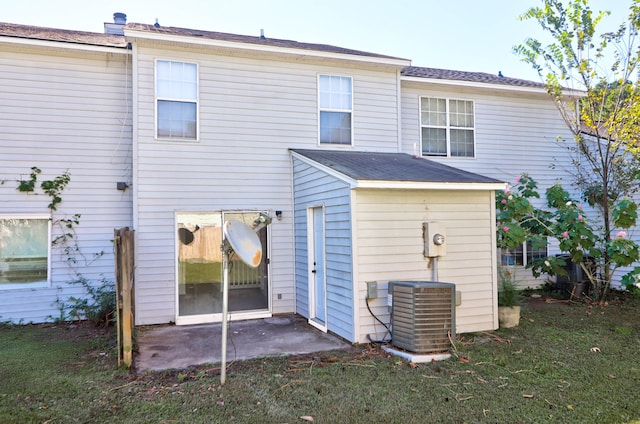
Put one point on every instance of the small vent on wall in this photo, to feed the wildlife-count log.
(423, 316)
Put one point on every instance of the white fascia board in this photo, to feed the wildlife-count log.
(49, 44)
(425, 185)
(568, 91)
(340, 176)
(485, 85)
(267, 49)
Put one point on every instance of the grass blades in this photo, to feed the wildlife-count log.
(570, 363)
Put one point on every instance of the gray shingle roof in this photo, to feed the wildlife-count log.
(185, 32)
(110, 40)
(478, 77)
(61, 35)
(376, 166)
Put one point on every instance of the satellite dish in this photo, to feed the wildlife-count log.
(185, 236)
(244, 241)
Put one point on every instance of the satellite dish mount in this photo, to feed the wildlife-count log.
(243, 240)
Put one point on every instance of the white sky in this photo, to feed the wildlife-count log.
(467, 35)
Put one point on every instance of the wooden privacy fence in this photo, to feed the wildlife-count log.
(124, 262)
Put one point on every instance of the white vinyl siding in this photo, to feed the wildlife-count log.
(251, 112)
(64, 111)
(391, 245)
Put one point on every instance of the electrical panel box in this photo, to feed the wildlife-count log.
(435, 241)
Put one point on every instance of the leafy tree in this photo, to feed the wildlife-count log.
(592, 78)
(565, 221)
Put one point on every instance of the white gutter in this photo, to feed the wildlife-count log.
(52, 44)
(264, 48)
(487, 85)
(427, 185)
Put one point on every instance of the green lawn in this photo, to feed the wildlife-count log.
(211, 272)
(564, 363)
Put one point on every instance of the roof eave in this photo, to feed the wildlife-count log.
(427, 185)
(209, 42)
(62, 45)
(485, 85)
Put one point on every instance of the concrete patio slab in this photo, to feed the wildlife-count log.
(166, 347)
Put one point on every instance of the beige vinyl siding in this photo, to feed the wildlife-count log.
(251, 111)
(390, 247)
(66, 111)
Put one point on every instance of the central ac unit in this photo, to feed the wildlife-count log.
(422, 315)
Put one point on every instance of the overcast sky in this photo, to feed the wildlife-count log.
(468, 35)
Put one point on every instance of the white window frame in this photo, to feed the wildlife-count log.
(326, 109)
(35, 284)
(158, 98)
(505, 253)
(447, 127)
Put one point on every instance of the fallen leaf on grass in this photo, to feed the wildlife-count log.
(463, 360)
(307, 418)
(527, 396)
(595, 349)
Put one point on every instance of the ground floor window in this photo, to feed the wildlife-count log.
(199, 266)
(24, 250)
(525, 253)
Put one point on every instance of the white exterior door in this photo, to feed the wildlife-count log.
(317, 280)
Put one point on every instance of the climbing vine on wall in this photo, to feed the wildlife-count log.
(99, 303)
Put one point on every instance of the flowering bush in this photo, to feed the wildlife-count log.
(598, 251)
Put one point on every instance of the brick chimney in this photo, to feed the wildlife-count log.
(116, 28)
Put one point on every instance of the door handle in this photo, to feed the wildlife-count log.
(313, 271)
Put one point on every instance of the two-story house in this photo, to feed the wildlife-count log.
(349, 152)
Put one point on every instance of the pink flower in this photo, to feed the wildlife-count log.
(565, 234)
(505, 228)
(579, 217)
(621, 234)
(518, 180)
(507, 191)
(504, 201)
(498, 223)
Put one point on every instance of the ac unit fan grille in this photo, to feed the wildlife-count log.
(423, 316)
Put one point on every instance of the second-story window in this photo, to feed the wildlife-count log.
(177, 100)
(336, 110)
(448, 127)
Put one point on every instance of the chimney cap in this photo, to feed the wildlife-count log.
(120, 18)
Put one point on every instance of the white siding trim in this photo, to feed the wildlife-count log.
(354, 265)
(494, 271)
(399, 108)
(420, 185)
